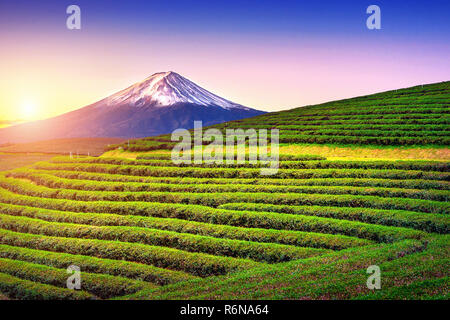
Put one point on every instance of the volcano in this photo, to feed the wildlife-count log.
(157, 105)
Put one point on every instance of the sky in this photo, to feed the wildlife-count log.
(268, 55)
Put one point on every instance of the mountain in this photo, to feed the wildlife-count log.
(157, 105)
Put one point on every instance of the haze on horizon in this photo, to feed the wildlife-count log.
(261, 54)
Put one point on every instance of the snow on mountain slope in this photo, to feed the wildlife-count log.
(166, 89)
(158, 105)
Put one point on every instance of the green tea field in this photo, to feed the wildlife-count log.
(147, 228)
(416, 116)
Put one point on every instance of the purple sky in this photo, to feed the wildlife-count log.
(268, 55)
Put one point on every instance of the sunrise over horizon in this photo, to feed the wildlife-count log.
(229, 159)
(265, 59)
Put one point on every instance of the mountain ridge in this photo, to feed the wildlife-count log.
(168, 88)
(159, 104)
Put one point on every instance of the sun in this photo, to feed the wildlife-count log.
(28, 110)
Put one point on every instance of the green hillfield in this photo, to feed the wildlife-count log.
(416, 116)
(141, 227)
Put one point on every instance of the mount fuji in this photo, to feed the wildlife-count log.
(157, 105)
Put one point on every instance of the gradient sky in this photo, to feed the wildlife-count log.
(269, 55)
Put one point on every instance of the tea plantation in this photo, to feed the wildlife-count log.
(146, 228)
(413, 116)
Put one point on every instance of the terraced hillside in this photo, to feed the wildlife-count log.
(147, 228)
(143, 227)
(413, 116)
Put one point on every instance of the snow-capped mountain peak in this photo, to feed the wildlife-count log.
(157, 105)
(166, 89)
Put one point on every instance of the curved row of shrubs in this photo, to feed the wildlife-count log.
(101, 285)
(363, 140)
(216, 199)
(121, 268)
(295, 238)
(338, 138)
(350, 127)
(431, 113)
(16, 288)
(410, 118)
(67, 212)
(87, 185)
(282, 157)
(438, 223)
(438, 111)
(250, 219)
(424, 165)
(243, 173)
(367, 133)
(355, 182)
(263, 252)
(199, 264)
(274, 121)
(358, 111)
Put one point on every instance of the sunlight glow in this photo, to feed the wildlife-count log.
(28, 110)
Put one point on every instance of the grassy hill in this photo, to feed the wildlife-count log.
(413, 116)
(146, 228)
(416, 116)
